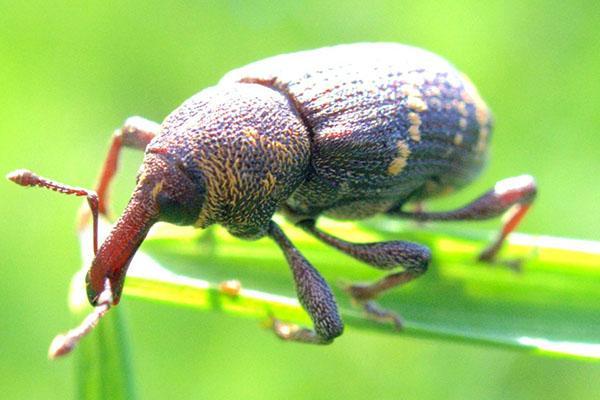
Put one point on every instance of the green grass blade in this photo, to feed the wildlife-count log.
(552, 307)
(102, 368)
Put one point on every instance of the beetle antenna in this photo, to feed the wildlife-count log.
(64, 343)
(26, 178)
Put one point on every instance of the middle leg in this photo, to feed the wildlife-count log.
(413, 257)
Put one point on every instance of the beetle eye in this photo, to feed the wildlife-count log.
(171, 210)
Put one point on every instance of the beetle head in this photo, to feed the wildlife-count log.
(164, 192)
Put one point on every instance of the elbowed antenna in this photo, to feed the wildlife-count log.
(105, 277)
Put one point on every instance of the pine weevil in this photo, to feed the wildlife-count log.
(348, 132)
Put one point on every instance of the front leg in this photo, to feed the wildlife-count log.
(314, 295)
(135, 133)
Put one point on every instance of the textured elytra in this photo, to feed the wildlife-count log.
(389, 123)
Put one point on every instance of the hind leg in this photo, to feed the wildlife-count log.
(412, 257)
(512, 196)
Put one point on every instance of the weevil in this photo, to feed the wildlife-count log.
(348, 132)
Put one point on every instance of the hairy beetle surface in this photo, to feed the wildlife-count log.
(349, 132)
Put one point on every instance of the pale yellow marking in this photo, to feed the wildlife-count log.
(414, 133)
(481, 145)
(157, 188)
(414, 98)
(414, 118)
(465, 97)
(398, 163)
(416, 104)
(414, 129)
(250, 132)
(458, 139)
(269, 182)
(481, 114)
(410, 91)
(462, 123)
(461, 107)
(252, 135)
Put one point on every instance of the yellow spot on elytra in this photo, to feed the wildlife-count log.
(414, 97)
(414, 118)
(398, 163)
(416, 104)
(414, 133)
(481, 114)
(410, 91)
(157, 188)
(462, 123)
(481, 145)
(415, 124)
(471, 95)
(465, 97)
(461, 107)
(458, 138)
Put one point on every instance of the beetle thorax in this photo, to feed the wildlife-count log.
(250, 148)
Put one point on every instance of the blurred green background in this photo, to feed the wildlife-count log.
(71, 73)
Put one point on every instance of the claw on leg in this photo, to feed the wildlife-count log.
(292, 332)
(359, 293)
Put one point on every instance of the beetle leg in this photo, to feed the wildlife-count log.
(514, 195)
(314, 295)
(135, 133)
(383, 255)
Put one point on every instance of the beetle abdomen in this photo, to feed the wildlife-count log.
(388, 122)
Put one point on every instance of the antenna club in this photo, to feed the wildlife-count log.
(23, 177)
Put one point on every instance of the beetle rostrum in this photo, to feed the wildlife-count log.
(347, 132)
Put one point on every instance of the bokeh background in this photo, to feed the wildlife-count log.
(70, 73)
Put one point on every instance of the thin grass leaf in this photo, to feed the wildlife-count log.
(552, 307)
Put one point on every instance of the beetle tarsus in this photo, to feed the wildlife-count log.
(291, 332)
(380, 314)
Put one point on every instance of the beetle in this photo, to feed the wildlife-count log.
(348, 132)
